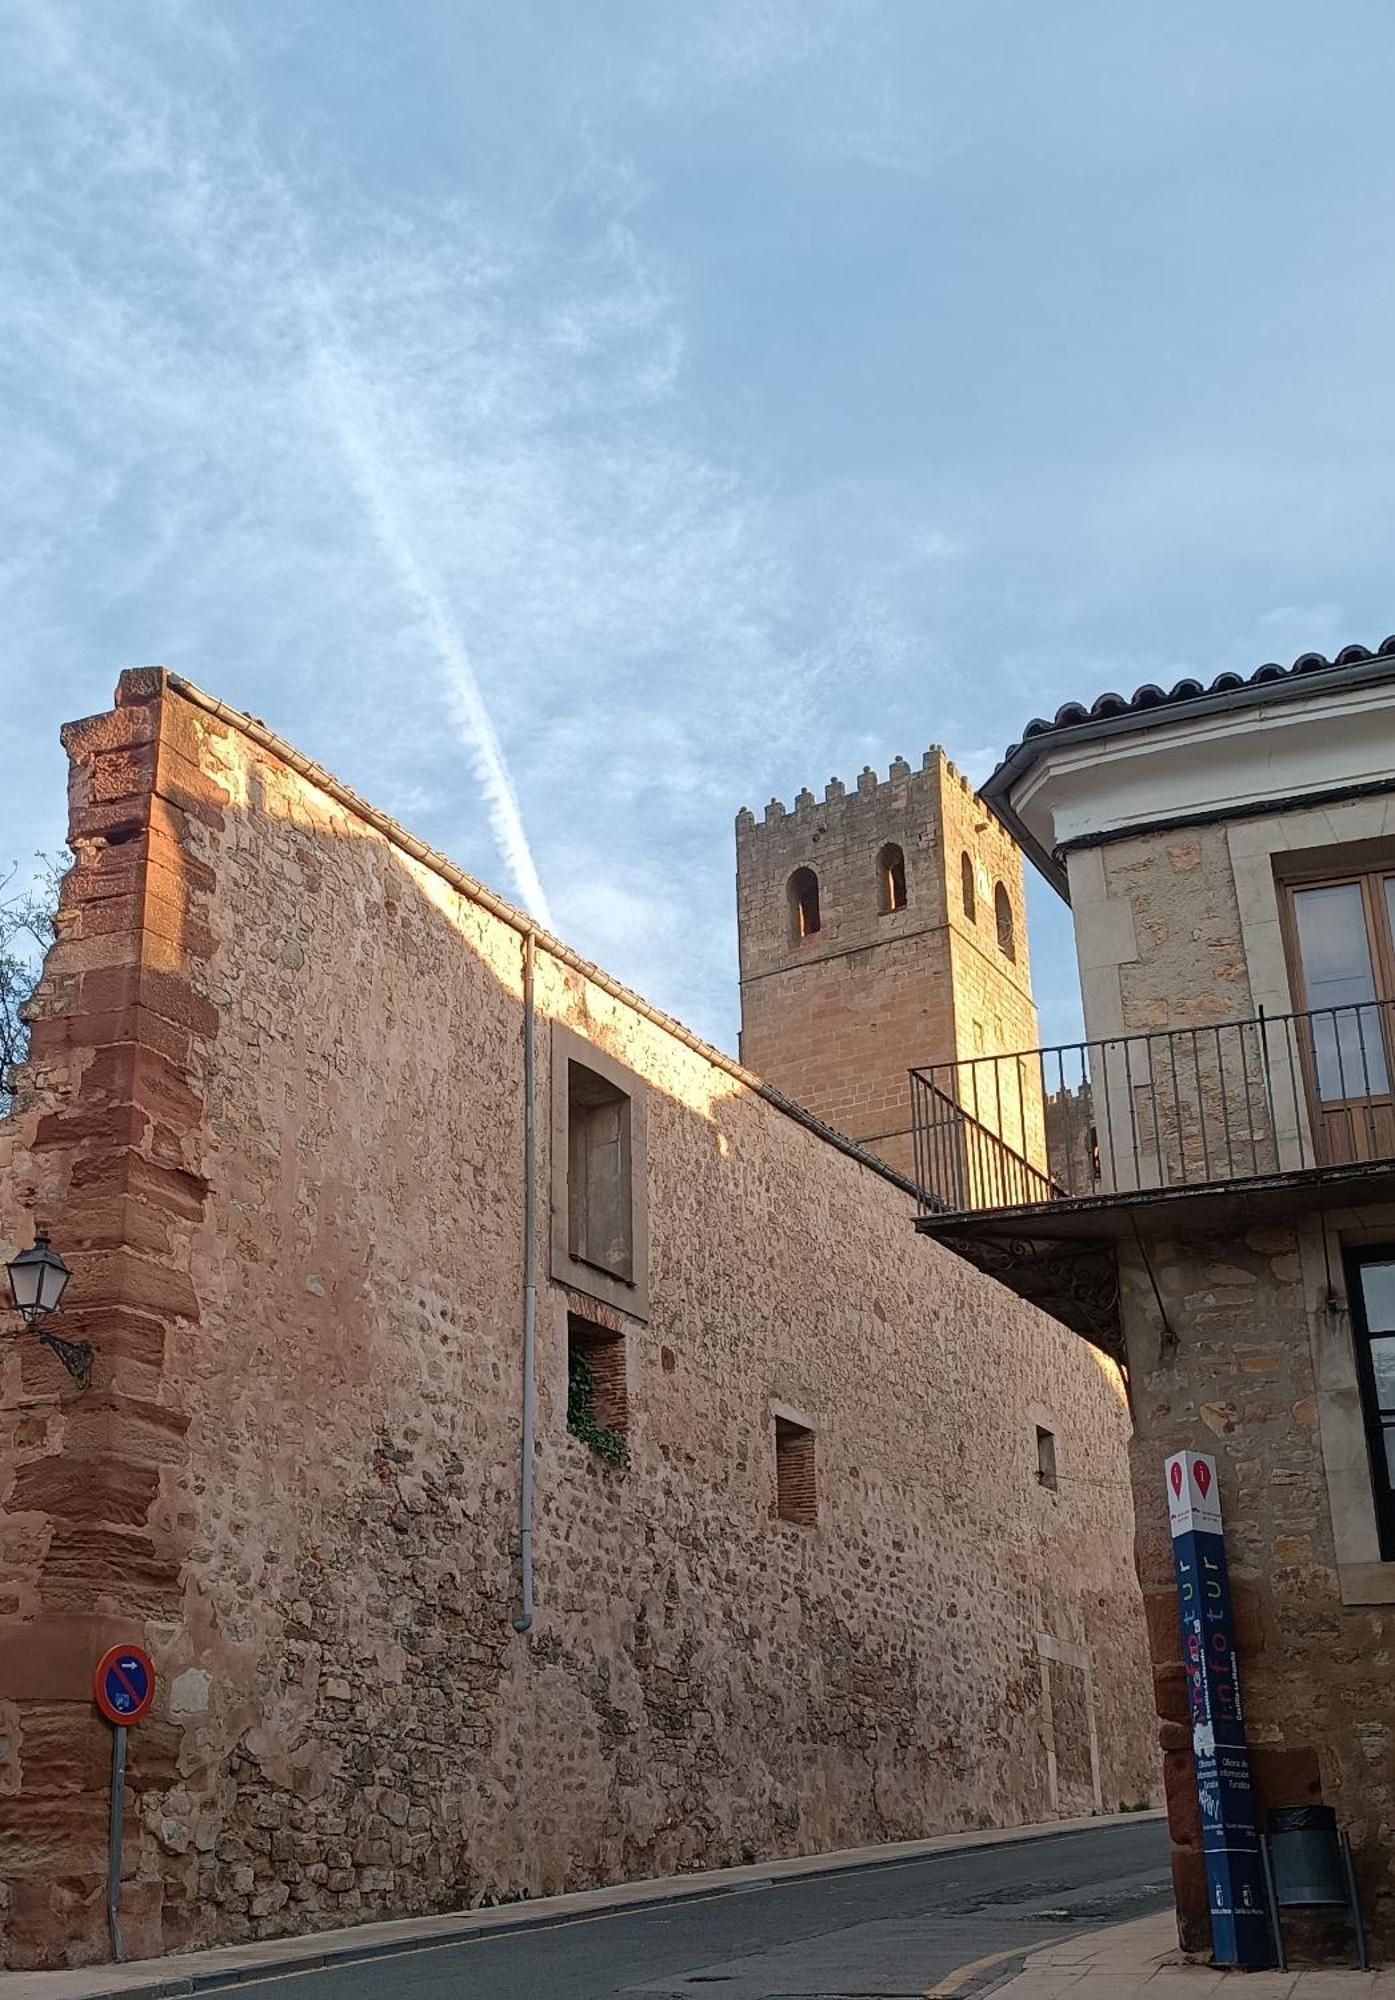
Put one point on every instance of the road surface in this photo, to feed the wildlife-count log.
(881, 1933)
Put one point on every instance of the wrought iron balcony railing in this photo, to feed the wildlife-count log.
(1184, 1108)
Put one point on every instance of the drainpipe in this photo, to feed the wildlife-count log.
(524, 1619)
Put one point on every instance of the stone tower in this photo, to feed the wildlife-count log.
(879, 928)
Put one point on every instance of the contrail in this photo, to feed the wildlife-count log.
(345, 396)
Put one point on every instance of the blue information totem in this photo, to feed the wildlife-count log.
(1234, 1871)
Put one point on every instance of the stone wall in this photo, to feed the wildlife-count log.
(275, 1117)
(1244, 1376)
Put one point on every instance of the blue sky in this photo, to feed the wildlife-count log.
(571, 422)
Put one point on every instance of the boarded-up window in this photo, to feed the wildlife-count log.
(796, 1497)
(600, 1223)
(966, 886)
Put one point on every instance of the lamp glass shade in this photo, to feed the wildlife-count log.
(38, 1279)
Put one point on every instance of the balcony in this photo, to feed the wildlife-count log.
(1093, 1142)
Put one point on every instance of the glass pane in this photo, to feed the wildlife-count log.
(1383, 1368)
(1348, 1048)
(1378, 1298)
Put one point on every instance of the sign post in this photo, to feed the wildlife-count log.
(123, 1688)
(1230, 1844)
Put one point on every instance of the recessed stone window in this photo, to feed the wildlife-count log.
(1046, 1458)
(1002, 912)
(796, 1492)
(600, 1221)
(805, 915)
(966, 887)
(598, 1406)
(600, 1233)
(891, 878)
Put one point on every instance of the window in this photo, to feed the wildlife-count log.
(598, 1410)
(804, 903)
(891, 878)
(796, 1499)
(600, 1225)
(966, 886)
(1046, 1458)
(1002, 911)
(1371, 1287)
(598, 1196)
(1342, 947)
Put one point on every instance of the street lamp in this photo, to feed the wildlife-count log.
(38, 1280)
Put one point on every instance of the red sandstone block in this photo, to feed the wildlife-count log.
(104, 1125)
(106, 820)
(55, 1836)
(120, 1335)
(174, 1190)
(124, 1072)
(64, 1748)
(111, 1221)
(138, 685)
(51, 1658)
(136, 1428)
(122, 1277)
(115, 730)
(56, 1035)
(85, 1563)
(121, 774)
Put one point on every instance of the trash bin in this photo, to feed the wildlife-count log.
(1307, 1865)
(1306, 1853)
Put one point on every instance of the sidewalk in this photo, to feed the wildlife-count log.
(1142, 1958)
(194, 1972)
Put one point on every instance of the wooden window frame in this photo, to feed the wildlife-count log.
(1368, 876)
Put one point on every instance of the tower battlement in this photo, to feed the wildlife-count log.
(867, 785)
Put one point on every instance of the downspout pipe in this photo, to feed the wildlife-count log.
(524, 1620)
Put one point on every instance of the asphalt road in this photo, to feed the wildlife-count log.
(877, 1933)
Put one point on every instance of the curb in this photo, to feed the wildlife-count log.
(516, 1917)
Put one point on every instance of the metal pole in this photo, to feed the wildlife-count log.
(118, 1795)
(524, 1620)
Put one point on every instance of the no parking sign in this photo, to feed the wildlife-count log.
(124, 1684)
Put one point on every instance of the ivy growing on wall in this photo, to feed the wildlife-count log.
(581, 1415)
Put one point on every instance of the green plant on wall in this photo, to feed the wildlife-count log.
(581, 1415)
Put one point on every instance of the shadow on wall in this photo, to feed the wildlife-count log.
(276, 1117)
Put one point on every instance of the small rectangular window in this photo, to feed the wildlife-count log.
(598, 1408)
(796, 1497)
(1046, 1458)
(600, 1225)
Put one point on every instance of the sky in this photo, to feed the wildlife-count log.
(569, 423)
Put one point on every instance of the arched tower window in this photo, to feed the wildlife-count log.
(1002, 910)
(804, 903)
(891, 878)
(966, 885)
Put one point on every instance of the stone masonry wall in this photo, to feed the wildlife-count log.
(1246, 1308)
(275, 1114)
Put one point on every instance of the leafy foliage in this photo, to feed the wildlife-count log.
(26, 932)
(581, 1415)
